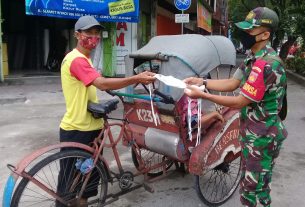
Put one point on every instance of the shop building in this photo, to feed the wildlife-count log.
(35, 45)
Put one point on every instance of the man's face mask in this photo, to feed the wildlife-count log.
(89, 42)
(248, 40)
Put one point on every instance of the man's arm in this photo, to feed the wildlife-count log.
(117, 83)
(208, 119)
(83, 71)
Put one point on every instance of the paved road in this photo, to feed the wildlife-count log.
(28, 126)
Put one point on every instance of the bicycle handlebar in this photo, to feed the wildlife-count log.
(164, 98)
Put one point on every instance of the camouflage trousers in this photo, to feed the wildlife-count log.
(258, 155)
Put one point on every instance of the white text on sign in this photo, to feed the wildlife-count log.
(182, 18)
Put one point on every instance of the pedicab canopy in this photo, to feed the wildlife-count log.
(182, 56)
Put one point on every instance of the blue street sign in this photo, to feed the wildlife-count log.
(183, 4)
(102, 10)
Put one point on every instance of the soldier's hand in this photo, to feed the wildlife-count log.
(194, 92)
(193, 81)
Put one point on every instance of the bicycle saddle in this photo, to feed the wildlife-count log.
(100, 110)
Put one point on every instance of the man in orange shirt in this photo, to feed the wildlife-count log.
(79, 82)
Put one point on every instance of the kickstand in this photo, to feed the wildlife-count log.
(148, 188)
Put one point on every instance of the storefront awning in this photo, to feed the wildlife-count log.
(102, 10)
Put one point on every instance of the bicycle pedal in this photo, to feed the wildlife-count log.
(148, 188)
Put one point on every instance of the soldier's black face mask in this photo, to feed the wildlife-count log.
(248, 40)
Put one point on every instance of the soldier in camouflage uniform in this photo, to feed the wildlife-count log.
(262, 81)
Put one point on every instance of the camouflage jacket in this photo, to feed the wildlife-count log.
(263, 81)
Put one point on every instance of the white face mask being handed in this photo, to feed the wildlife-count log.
(171, 81)
(174, 82)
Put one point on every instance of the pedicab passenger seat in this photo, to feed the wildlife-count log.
(101, 110)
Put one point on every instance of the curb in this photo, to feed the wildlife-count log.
(19, 82)
(37, 80)
(296, 77)
(11, 100)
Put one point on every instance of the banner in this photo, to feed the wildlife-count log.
(102, 10)
(124, 39)
(204, 18)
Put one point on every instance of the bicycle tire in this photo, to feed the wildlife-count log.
(222, 168)
(147, 160)
(68, 154)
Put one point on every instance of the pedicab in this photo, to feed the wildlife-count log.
(155, 126)
(162, 128)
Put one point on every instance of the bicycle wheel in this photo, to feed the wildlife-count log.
(60, 170)
(217, 185)
(150, 159)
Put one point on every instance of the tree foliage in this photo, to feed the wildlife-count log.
(291, 15)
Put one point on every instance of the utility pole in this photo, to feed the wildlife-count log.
(182, 12)
(154, 5)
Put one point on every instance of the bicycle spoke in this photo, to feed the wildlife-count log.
(219, 185)
(36, 192)
(225, 183)
(44, 181)
(31, 196)
(53, 177)
(35, 204)
(69, 178)
(213, 185)
(63, 177)
(209, 180)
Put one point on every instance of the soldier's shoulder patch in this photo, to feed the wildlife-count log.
(253, 76)
(254, 88)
